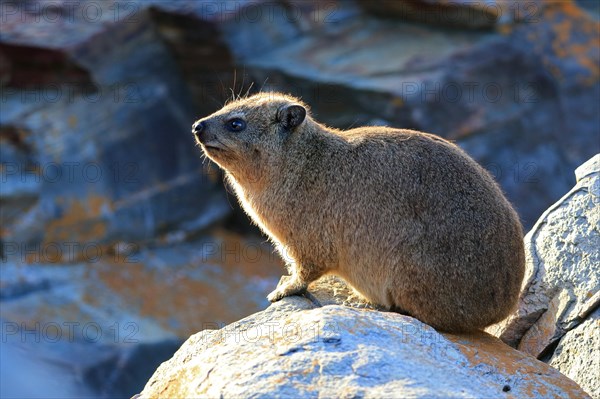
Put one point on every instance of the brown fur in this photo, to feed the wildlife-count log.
(407, 218)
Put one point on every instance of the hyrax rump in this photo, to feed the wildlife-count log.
(407, 218)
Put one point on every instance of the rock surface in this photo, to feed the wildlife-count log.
(297, 348)
(576, 356)
(112, 320)
(110, 160)
(562, 283)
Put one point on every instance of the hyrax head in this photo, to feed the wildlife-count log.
(249, 133)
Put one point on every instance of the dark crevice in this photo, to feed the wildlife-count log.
(30, 67)
(202, 56)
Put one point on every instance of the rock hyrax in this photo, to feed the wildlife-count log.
(407, 218)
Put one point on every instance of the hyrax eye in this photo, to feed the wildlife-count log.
(236, 125)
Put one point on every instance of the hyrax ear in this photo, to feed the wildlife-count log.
(291, 116)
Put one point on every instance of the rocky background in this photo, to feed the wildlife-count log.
(118, 242)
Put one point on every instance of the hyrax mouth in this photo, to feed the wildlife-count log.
(212, 147)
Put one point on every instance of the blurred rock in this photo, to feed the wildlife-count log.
(72, 368)
(117, 163)
(464, 14)
(18, 193)
(296, 348)
(122, 371)
(591, 6)
(506, 95)
(165, 292)
(116, 317)
(26, 67)
(34, 370)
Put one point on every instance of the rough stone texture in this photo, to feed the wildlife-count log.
(577, 355)
(296, 348)
(562, 283)
(332, 290)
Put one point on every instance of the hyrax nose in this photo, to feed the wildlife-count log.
(198, 128)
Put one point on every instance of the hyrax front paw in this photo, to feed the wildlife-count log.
(286, 290)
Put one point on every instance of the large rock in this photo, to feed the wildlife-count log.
(557, 316)
(562, 283)
(298, 348)
(506, 95)
(107, 210)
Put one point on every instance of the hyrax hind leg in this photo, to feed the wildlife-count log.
(297, 283)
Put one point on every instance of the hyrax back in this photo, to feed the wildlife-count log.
(407, 218)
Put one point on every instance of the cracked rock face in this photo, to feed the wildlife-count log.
(577, 354)
(562, 283)
(296, 348)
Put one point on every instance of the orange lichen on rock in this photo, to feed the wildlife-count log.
(161, 295)
(81, 221)
(484, 349)
(569, 24)
(184, 304)
(80, 225)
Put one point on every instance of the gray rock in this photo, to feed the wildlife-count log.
(296, 348)
(562, 282)
(113, 158)
(36, 372)
(148, 294)
(110, 321)
(333, 290)
(20, 188)
(506, 95)
(577, 354)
